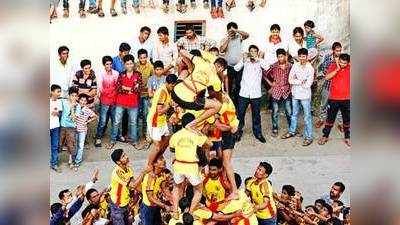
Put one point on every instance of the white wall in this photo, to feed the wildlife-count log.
(94, 37)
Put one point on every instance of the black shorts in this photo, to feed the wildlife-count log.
(228, 140)
(216, 145)
(197, 105)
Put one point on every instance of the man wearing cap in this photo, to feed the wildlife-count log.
(122, 181)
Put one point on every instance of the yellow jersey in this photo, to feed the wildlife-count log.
(185, 143)
(161, 97)
(242, 203)
(215, 191)
(201, 216)
(204, 75)
(119, 192)
(259, 191)
(151, 182)
(228, 112)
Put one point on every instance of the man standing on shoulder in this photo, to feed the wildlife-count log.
(232, 47)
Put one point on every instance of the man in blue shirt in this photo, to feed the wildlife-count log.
(118, 64)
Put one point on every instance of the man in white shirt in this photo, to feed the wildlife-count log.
(142, 42)
(62, 71)
(250, 90)
(301, 77)
(165, 51)
(274, 43)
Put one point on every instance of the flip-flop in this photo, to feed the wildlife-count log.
(307, 142)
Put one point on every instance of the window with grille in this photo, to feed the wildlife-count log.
(180, 26)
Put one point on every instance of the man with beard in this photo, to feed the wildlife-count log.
(337, 190)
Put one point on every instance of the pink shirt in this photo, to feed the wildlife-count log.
(107, 86)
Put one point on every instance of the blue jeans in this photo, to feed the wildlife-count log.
(143, 111)
(214, 2)
(80, 144)
(271, 221)
(104, 111)
(119, 215)
(276, 104)
(150, 215)
(132, 123)
(308, 128)
(255, 104)
(92, 3)
(54, 145)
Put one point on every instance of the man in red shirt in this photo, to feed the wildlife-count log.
(339, 97)
(127, 99)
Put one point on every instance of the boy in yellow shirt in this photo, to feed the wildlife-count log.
(261, 194)
(185, 144)
(122, 181)
(157, 118)
(151, 205)
(228, 123)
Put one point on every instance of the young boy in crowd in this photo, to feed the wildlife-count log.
(312, 39)
(157, 118)
(301, 78)
(277, 77)
(185, 143)
(68, 125)
(118, 63)
(146, 69)
(84, 115)
(339, 97)
(107, 88)
(55, 111)
(127, 100)
(155, 81)
(261, 194)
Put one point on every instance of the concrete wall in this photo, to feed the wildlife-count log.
(94, 37)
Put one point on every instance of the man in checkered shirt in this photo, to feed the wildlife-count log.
(277, 77)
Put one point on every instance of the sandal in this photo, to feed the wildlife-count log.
(322, 141)
(100, 12)
(228, 7)
(307, 142)
(287, 135)
(66, 13)
(113, 12)
(97, 143)
(82, 13)
(274, 133)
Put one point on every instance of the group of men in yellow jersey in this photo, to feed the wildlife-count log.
(208, 122)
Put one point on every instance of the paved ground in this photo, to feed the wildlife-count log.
(310, 169)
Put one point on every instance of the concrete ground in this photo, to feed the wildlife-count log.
(311, 170)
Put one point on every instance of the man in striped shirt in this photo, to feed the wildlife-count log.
(277, 76)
